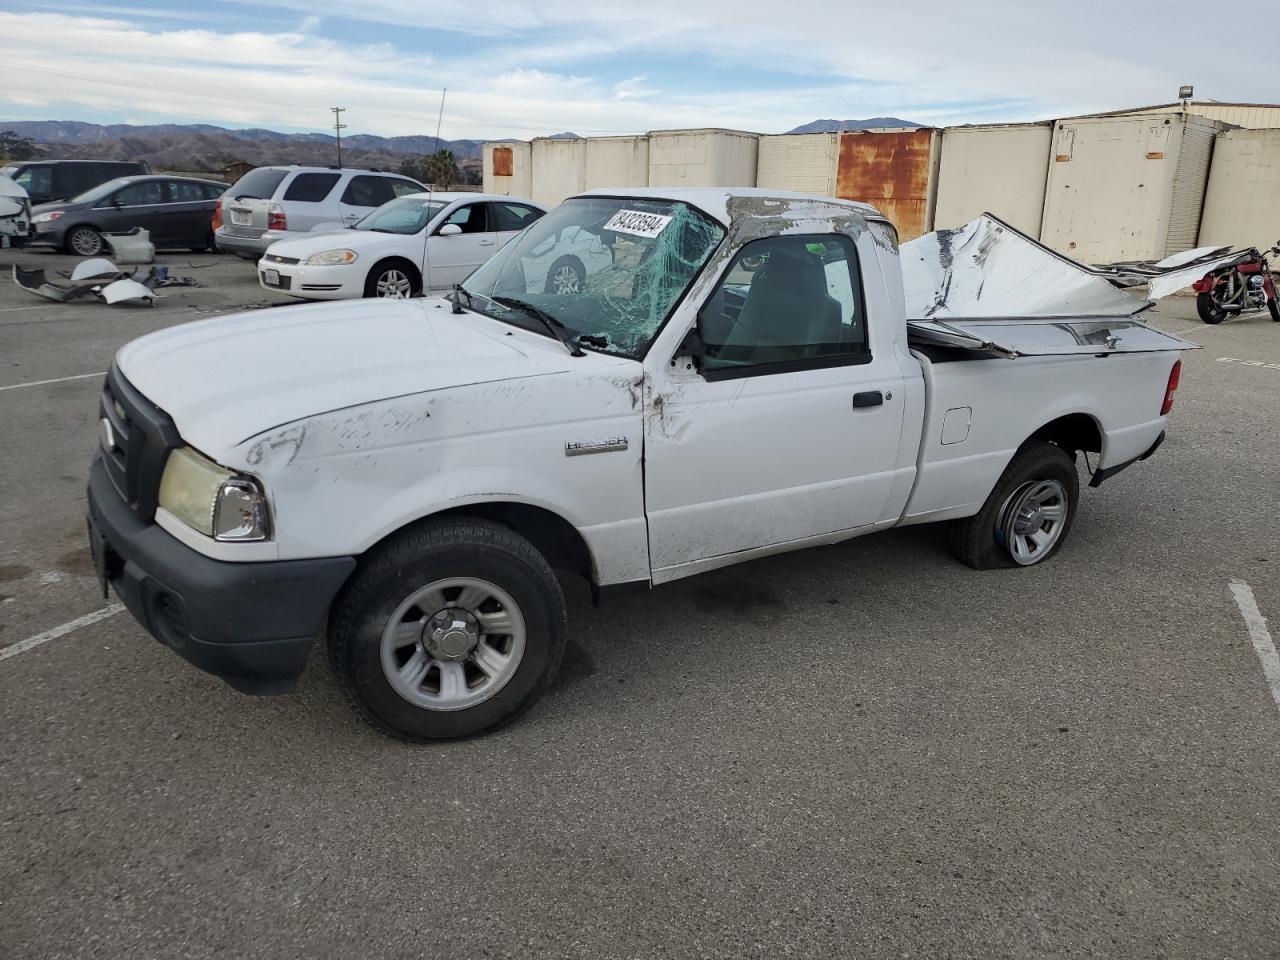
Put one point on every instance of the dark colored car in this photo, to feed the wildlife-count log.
(49, 180)
(177, 211)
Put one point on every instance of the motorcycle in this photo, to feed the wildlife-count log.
(1234, 288)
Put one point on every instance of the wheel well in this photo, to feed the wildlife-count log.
(413, 270)
(551, 535)
(1076, 431)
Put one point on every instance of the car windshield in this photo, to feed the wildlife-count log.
(610, 269)
(406, 215)
(101, 190)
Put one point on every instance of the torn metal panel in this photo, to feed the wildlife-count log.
(133, 246)
(989, 269)
(1048, 337)
(34, 281)
(1174, 280)
(125, 290)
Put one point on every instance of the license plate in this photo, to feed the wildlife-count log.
(271, 277)
(97, 551)
(241, 218)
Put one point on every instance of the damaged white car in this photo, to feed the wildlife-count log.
(745, 377)
(15, 213)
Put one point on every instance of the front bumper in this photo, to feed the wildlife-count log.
(252, 624)
(341, 282)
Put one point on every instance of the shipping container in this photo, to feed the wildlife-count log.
(507, 168)
(559, 169)
(895, 171)
(804, 162)
(993, 168)
(616, 162)
(1127, 187)
(1258, 116)
(1242, 203)
(703, 158)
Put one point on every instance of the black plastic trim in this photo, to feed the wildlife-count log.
(612, 591)
(1106, 473)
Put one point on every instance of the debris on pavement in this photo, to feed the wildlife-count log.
(104, 279)
(34, 280)
(124, 289)
(131, 246)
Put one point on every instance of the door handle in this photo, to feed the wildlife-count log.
(868, 398)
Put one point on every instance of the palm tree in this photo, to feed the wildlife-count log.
(442, 168)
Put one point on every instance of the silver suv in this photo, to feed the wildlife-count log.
(278, 203)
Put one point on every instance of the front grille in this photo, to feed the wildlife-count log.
(276, 258)
(136, 444)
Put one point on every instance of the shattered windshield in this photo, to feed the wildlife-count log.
(610, 269)
(406, 215)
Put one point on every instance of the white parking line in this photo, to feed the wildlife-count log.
(1256, 624)
(22, 646)
(41, 383)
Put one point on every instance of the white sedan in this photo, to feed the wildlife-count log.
(411, 245)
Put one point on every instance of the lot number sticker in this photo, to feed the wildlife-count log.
(637, 223)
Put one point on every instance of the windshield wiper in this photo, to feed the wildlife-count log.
(598, 340)
(456, 299)
(558, 329)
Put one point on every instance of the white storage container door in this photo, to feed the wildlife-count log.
(993, 169)
(616, 162)
(804, 162)
(559, 169)
(1242, 203)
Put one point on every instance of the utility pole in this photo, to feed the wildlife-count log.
(338, 127)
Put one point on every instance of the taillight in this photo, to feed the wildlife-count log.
(1171, 387)
(217, 215)
(276, 219)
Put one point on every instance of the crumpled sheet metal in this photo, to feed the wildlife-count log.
(96, 277)
(34, 281)
(96, 269)
(127, 289)
(988, 269)
(133, 246)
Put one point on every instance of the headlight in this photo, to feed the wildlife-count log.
(47, 217)
(331, 258)
(212, 499)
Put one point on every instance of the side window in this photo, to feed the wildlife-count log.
(38, 180)
(311, 187)
(512, 216)
(786, 303)
(470, 218)
(366, 191)
(183, 191)
(139, 194)
(402, 188)
(212, 191)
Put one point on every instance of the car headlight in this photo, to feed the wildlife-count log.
(213, 500)
(49, 217)
(331, 258)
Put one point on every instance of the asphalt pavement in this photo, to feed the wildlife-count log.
(866, 750)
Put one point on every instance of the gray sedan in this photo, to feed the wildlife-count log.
(177, 211)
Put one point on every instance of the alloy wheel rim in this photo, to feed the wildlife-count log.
(1032, 520)
(85, 243)
(394, 285)
(453, 644)
(565, 280)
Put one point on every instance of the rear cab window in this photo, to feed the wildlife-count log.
(311, 187)
(259, 184)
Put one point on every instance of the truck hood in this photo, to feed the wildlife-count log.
(230, 378)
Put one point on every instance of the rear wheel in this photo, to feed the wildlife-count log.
(453, 629)
(1208, 308)
(85, 242)
(1028, 515)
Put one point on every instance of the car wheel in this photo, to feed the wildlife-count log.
(450, 630)
(391, 281)
(85, 242)
(1028, 515)
(566, 276)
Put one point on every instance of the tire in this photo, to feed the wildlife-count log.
(392, 279)
(1208, 309)
(85, 242)
(1273, 307)
(566, 276)
(990, 538)
(377, 664)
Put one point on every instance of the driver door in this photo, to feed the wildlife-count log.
(790, 430)
(452, 256)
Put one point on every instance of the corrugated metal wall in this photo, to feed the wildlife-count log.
(559, 169)
(804, 162)
(507, 168)
(616, 162)
(895, 171)
(703, 158)
(996, 168)
(1190, 177)
(1259, 116)
(1242, 202)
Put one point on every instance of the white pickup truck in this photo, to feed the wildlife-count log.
(743, 380)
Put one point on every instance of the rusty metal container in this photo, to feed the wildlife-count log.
(1242, 202)
(507, 168)
(1127, 187)
(703, 158)
(895, 171)
(993, 168)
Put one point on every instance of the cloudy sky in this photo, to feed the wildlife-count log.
(530, 67)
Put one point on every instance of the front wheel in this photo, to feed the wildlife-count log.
(1273, 307)
(1028, 515)
(566, 276)
(450, 630)
(390, 281)
(1209, 309)
(85, 242)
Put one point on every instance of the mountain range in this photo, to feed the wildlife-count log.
(202, 147)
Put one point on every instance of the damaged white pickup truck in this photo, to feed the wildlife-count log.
(746, 378)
